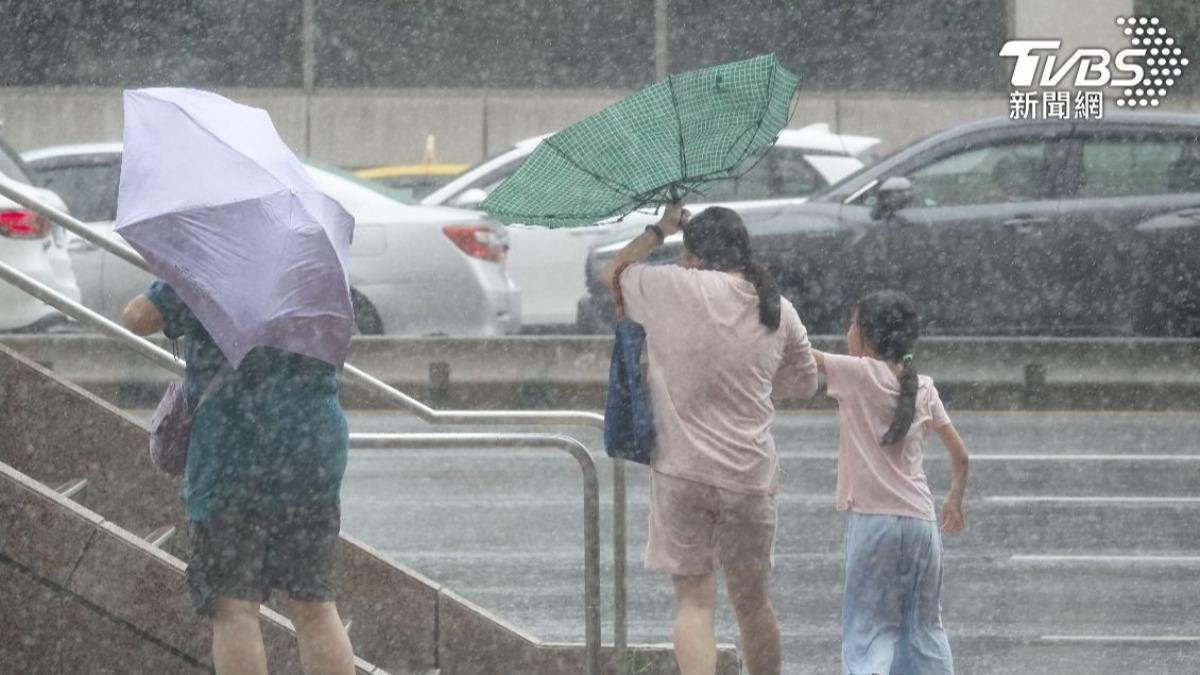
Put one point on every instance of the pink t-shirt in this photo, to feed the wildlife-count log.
(711, 370)
(872, 478)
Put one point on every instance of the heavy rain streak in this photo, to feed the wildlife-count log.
(605, 337)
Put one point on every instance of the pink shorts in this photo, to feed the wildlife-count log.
(696, 528)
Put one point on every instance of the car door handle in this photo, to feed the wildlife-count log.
(81, 245)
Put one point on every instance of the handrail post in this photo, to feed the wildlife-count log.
(591, 503)
(620, 629)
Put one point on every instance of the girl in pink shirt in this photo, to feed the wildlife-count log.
(892, 603)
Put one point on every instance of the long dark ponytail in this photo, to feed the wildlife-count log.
(889, 323)
(718, 237)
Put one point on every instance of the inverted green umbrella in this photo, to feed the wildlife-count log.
(664, 142)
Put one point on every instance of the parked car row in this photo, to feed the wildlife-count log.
(999, 227)
(436, 268)
(413, 270)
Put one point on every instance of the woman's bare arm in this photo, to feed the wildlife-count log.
(673, 218)
(953, 518)
(142, 317)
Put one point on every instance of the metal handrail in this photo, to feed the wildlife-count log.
(349, 374)
(591, 500)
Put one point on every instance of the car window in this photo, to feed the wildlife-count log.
(90, 190)
(357, 196)
(11, 165)
(1116, 167)
(793, 176)
(357, 181)
(781, 173)
(835, 168)
(489, 181)
(1010, 172)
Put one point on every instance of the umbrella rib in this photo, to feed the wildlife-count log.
(678, 127)
(600, 179)
(762, 116)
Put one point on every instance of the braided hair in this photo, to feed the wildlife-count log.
(718, 237)
(888, 322)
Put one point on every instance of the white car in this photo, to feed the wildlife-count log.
(413, 270)
(34, 246)
(548, 265)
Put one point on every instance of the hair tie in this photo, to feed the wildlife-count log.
(906, 359)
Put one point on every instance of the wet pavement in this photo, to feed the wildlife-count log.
(1081, 553)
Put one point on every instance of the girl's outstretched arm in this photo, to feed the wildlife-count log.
(953, 518)
(820, 359)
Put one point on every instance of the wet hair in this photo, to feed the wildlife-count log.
(889, 323)
(718, 237)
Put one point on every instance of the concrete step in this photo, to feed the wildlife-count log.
(72, 488)
(161, 536)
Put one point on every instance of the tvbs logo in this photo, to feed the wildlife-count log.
(1144, 72)
(1093, 67)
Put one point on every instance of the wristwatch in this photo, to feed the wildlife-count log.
(662, 236)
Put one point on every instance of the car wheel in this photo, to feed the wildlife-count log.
(366, 317)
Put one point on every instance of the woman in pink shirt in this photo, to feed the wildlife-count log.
(892, 603)
(720, 342)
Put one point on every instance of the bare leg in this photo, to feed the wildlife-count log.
(237, 638)
(695, 643)
(324, 646)
(749, 591)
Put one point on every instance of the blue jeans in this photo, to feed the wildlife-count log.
(892, 605)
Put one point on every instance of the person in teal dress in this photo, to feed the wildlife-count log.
(261, 488)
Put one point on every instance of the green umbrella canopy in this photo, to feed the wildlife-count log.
(674, 138)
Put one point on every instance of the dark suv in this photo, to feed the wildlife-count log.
(996, 227)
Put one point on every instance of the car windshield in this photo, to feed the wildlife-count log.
(373, 186)
(11, 164)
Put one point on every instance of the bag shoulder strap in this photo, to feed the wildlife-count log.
(214, 383)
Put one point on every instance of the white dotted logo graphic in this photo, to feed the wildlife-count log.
(1164, 61)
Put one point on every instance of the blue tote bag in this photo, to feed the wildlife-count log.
(628, 421)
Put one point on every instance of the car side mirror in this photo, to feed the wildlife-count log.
(894, 194)
(470, 199)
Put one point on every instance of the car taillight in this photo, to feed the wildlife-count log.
(477, 241)
(22, 224)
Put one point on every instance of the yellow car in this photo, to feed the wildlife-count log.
(412, 180)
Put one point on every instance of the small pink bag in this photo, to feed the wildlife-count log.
(171, 426)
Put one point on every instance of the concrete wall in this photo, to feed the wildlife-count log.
(1090, 24)
(572, 372)
(354, 127)
(364, 127)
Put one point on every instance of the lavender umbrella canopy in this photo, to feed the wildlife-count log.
(224, 212)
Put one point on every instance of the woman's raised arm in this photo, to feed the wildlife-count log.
(142, 317)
